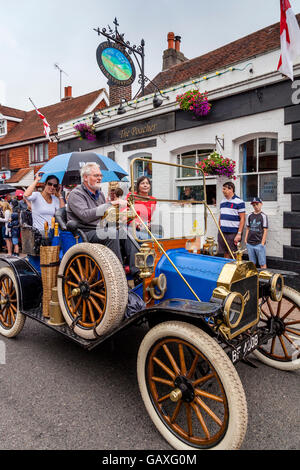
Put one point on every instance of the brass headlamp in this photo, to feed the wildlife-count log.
(234, 309)
(275, 284)
(210, 247)
(144, 261)
(233, 305)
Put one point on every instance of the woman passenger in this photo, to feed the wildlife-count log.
(144, 208)
(44, 204)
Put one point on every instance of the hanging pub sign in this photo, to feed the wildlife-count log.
(115, 64)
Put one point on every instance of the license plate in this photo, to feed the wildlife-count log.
(244, 348)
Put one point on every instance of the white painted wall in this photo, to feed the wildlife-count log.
(235, 132)
(249, 74)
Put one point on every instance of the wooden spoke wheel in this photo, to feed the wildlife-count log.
(85, 290)
(190, 388)
(283, 350)
(11, 319)
(92, 289)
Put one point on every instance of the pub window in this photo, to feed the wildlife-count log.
(39, 152)
(111, 155)
(142, 168)
(191, 158)
(4, 159)
(259, 168)
(3, 127)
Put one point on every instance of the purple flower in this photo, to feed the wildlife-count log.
(85, 131)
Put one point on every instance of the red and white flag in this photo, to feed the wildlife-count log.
(289, 39)
(45, 123)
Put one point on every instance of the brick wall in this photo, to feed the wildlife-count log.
(101, 105)
(52, 149)
(52, 152)
(11, 125)
(19, 157)
(116, 93)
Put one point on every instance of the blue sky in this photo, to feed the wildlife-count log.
(35, 35)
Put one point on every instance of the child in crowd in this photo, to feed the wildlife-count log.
(113, 187)
(6, 211)
(256, 234)
(14, 226)
(119, 192)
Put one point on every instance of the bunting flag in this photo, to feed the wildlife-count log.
(45, 123)
(289, 39)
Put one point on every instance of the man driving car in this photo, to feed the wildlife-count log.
(87, 205)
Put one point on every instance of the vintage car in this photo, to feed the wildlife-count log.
(205, 313)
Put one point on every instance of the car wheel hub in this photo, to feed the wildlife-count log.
(84, 289)
(184, 390)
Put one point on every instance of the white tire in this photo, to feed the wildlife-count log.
(92, 289)
(283, 351)
(211, 413)
(11, 319)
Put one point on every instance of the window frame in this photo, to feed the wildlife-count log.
(3, 125)
(4, 159)
(34, 155)
(199, 152)
(182, 181)
(257, 172)
(146, 156)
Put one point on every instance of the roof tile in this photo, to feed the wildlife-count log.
(32, 127)
(19, 175)
(260, 42)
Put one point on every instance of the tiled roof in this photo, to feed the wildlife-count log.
(32, 126)
(12, 112)
(19, 175)
(260, 42)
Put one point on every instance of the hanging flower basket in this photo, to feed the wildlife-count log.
(217, 165)
(85, 131)
(194, 102)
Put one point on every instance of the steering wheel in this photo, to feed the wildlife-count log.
(113, 215)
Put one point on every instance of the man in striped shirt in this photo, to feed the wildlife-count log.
(231, 221)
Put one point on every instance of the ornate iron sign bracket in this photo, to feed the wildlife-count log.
(117, 38)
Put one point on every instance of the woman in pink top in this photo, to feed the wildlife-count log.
(144, 208)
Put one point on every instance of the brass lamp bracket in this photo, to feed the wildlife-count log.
(144, 261)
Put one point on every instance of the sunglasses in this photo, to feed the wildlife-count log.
(55, 185)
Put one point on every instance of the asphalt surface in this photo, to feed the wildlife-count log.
(56, 395)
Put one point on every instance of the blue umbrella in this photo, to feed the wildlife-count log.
(66, 167)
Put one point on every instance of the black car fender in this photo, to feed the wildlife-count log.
(198, 313)
(28, 279)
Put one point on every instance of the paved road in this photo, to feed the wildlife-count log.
(55, 395)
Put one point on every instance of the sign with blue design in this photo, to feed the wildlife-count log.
(115, 64)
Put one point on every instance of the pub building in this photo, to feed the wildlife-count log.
(254, 120)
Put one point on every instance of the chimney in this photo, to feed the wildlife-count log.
(68, 93)
(117, 93)
(172, 55)
(171, 37)
(177, 43)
